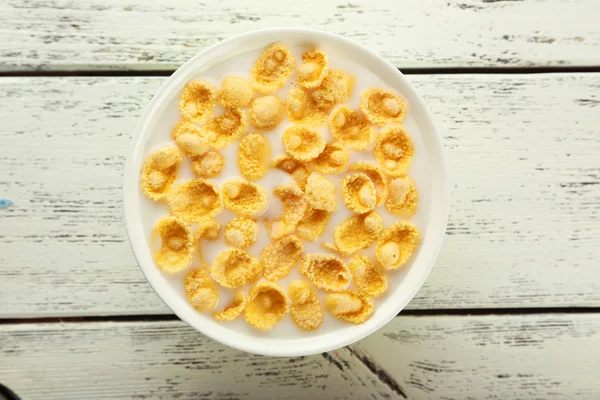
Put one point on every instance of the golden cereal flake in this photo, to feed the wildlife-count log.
(226, 127)
(233, 310)
(266, 112)
(382, 106)
(253, 156)
(272, 69)
(335, 88)
(333, 160)
(396, 244)
(394, 150)
(325, 271)
(314, 68)
(234, 268)
(177, 244)
(197, 101)
(294, 206)
(320, 193)
(267, 304)
(349, 306)
(377, 177)
(402, 197)
(207, 229)
(357, 232)
(358, 192)
(302, 143)
(302, 109)
(296, 169)
(159, 173)
(200, 290)
(192, 140)
(280, 256)
(367, 277)
(235, 92)
(195, 200)
(306, 311)
(313, 224)
(244, 197)
(209, 164)
(241, 232)
(347, 126)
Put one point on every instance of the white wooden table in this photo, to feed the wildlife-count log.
(512, 308)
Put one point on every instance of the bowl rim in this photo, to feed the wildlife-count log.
(131, 174)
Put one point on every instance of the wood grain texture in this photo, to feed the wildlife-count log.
(143, 35)
(523, 231)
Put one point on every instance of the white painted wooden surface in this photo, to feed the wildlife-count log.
(479, 357)
(139, 34)
(523, 232)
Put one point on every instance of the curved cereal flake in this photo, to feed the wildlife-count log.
(159, 173)
(325, 271)
(235, 92)
(280, 256)
(267, 304)
(207, 229)
(233, 310)
(177, 244)
(195, 200)
(357, 232)
(396, 244)
(301, 143)
(244, 198)
(296, 169)
(358, 192)
(320, 193)
(272, 69)
(313, 224)
(253, 156)
(241, 232)
(347, 126)
(192, 140)
(394, 150)
(314, 68)
(382, 106)
(402, 197)
(377, 177)
(209, 164)
(306, 311)
(294, 206)
(302, 109)
(200, 290)
(333, 160)
(266, 112)
(367, 277)
(335, 88)
(349, 306)
(197, 101)
(226, 127)
(234, 268)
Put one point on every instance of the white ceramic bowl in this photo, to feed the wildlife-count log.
(428, 171)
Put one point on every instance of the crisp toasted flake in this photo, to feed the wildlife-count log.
(296, 169)
(301, 143)
(302, 109)
(267, 304)
(209, 164)
(313, 224)
(266, 112)
(333, 159)
(377, 177)
(233, 310)
(396, 244)
(235, 92)
(197, 101)
(200, 290)
(244, 197)
(349, 306)
(357, 232)
(358, 192)
(367, 277)
(226, 127)
(159, 173)
(294, 206)
(335, 88)
(177, 244)
(272, 69)
(325, 271)
(208, 229)
(280, 256)
(195, 200)
(347, 126)
(253, 156)
(394, 150)
(314, 68)
(402, 198)
(234, 268)
(241, 232)
(306, 311)
(320, 193)
(382, 106)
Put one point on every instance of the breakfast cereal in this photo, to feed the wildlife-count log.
(244, 197)
(314, 68)
(235, 92)
(272, 69)
(302, 143)
(200, 290)
(234, 268)
(367, 277)
(253, 156)
(396, 244)
(394, 150)
(280, 256)
(177, 244)
(347, 126)
(325, 271)
(266, 112)
(233, 310)
(195, 200)
(305, 310)
(241, 232)
(159, 173)
(382, 106)
(349, 306)
(332, 160)
(358, 192)
(267, 304)
(197, 101)
(302, 109)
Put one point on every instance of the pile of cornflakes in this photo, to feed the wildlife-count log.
(321, 136)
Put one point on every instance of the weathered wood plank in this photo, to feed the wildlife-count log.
(523, 232)
(138, 35)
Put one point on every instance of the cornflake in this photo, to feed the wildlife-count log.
(177, 244)
(306, 311)
(280, 256)
(396, 244)
(347, 126)
(296, 169)
(294, 205)
(266, 112)
(394, 150)
(313, 224)
(382, 106)
(235, 92)
(159, 173)
(333, 159)
(209, 164)
(233, 310)
(325, 271)
(200, 290)
(314, 68)
(357, 232)
(377, 177)
(234, 268)
(320, 193)
(272, 69)
(349, 306)
(244, 198)
(358, 192)
(253, 156)
(302, 109)
(335, 89)
(195, 200)
(197, 101)
(367, 277)
(226, 127)
(192, 140)
(207, 229)
(402, 198)
(301, 143)
(267, 304)
(241, 232)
